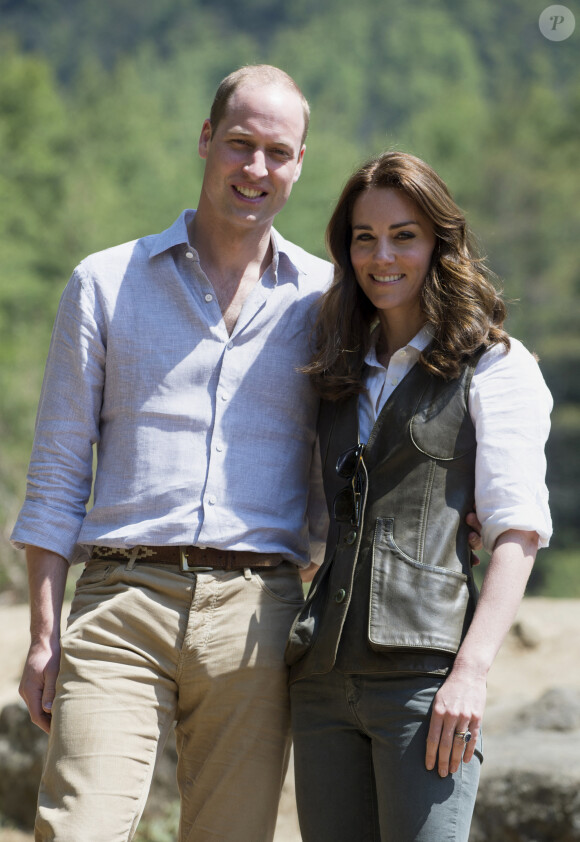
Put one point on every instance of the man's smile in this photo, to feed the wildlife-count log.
(249, 192)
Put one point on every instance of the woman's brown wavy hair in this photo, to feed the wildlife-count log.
(460, 303)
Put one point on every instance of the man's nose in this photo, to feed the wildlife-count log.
(256, 164)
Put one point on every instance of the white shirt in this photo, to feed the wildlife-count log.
(510, 406)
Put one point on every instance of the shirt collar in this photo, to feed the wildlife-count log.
(292, 254)
(417, 344)
(177, 234)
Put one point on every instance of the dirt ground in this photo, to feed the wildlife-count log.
(541, 651)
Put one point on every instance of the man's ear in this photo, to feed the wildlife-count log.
(204, 139)
(299, 165)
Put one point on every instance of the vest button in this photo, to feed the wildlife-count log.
(350, 537)
(340, 595)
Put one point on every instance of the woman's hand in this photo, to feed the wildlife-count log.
(458, 708)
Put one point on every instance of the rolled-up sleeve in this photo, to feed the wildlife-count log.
(67, 425)
(510, 405)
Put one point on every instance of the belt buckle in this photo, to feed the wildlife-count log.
(185, 567)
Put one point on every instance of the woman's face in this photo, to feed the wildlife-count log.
(391, 248)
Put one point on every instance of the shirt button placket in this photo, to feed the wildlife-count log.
(217, 445)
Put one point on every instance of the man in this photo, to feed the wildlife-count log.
(177, 356)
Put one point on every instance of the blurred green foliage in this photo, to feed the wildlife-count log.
(100, 109)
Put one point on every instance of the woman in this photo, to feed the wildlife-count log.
(428, 406)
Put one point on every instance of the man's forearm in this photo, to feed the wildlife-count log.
(47, 573)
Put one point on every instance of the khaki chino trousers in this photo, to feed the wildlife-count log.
(148, 646)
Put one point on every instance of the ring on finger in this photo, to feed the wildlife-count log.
(464, 736)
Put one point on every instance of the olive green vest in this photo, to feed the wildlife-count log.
(396, 593)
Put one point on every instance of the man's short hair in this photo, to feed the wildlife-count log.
(260, 73)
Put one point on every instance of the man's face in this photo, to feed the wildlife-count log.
(253, 156)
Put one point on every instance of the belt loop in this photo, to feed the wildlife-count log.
(247, 573)
(183, 561)
(133, 555)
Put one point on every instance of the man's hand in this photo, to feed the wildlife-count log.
(39, 680)
(474, 536)
(307, 574)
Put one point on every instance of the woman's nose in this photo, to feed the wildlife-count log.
(384, 250)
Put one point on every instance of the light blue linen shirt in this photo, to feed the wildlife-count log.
(201, 437)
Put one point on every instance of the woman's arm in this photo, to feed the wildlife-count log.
(460, 702)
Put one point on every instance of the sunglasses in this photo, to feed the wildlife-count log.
(347, 503)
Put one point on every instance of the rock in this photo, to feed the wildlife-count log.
(557, 710)
(22, 750)
(530, 779)
(526, 634)
(527, 806)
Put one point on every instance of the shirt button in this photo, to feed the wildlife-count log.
(350, 538)
(340, 595)
(209, 297)
(394, 381)
(212, 499)
(224, 396)
(189, 255)
(219, 448)
(230, 345)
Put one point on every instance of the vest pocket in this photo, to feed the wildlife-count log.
(413, 605)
